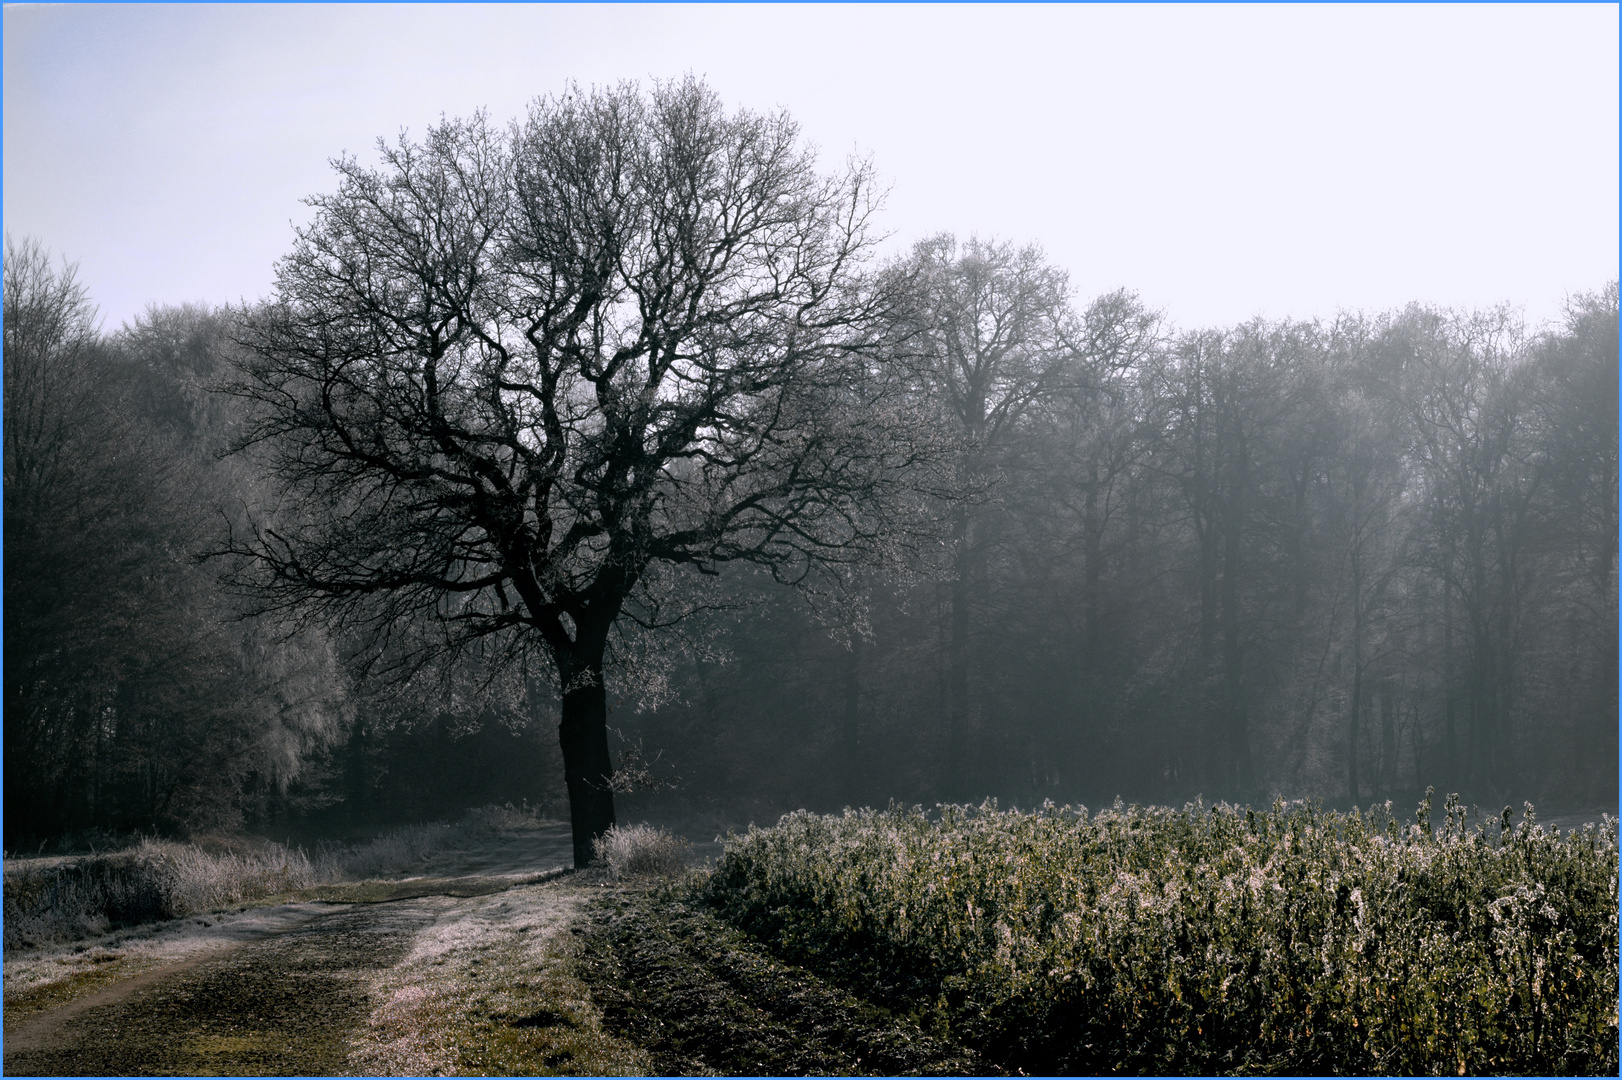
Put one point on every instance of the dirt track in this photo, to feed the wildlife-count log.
(287, 1001)
(281, 1006)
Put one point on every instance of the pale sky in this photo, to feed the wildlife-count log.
(1222, 161)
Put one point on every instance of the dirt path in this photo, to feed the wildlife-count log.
(290, 997)
(281, 1006)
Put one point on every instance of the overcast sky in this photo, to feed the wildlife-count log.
(1222, 161)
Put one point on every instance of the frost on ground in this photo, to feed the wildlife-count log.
(49, 901)
(501, 847)
(472, 982)
(489, 988)
(486, 962)
(124, 953)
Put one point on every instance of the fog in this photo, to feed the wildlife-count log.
(642, 459)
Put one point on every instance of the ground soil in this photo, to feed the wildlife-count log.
(284, 1006)
(497, 962)
(701, 998)
(286, 989)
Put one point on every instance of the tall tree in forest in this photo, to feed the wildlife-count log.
(986, 326)
(519, 383)
(134, 697)
(60, 494)
(1468, 395)
(1366, 481)
(1069, 598)
(1225, 398)
(1575, 413)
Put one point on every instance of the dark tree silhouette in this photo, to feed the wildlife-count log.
(520, 382)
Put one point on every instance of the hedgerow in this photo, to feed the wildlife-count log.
(1207, 939)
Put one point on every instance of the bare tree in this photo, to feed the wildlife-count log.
(1576, 423)
(133, 696)
(1470, 405)
(521, 382)
(987, 330)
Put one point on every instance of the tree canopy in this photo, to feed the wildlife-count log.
(512, 380)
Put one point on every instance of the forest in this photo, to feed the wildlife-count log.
(914, 528)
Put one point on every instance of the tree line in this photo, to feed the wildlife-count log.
(614, 417)
(1345, 560)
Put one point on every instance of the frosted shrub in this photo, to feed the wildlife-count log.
(394, 852)
(1207, 939)
(63, 901)
(43, 908)
(641, 850)
(197, 881)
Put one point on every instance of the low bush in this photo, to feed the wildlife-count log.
(61, 900)
(641, 850)
(394, 852)
(64, 899)
(1206, 939)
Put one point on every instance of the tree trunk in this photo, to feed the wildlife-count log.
(1240, 776)
(583, 735)
(357, 780)
(1416, 740)
(852, 728)
(957, 668)
(1241, 779)
(1298, 558)
(1388, 739)
(1094, 626)
(1448, 733)
(1214, 757)
(1355, 713)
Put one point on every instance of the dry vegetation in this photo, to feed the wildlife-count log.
(48, 901)
(641, 851)
(1206, 940)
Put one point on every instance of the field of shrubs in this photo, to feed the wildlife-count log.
(1206, 940)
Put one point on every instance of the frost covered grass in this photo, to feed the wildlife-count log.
(641, 850)
(489, 990)
(1206, 939)
(66, 900)
(48, 976)
(55, 900)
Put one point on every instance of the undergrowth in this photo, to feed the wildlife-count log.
(56, 900)
(1206, 939)
(641, 850)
